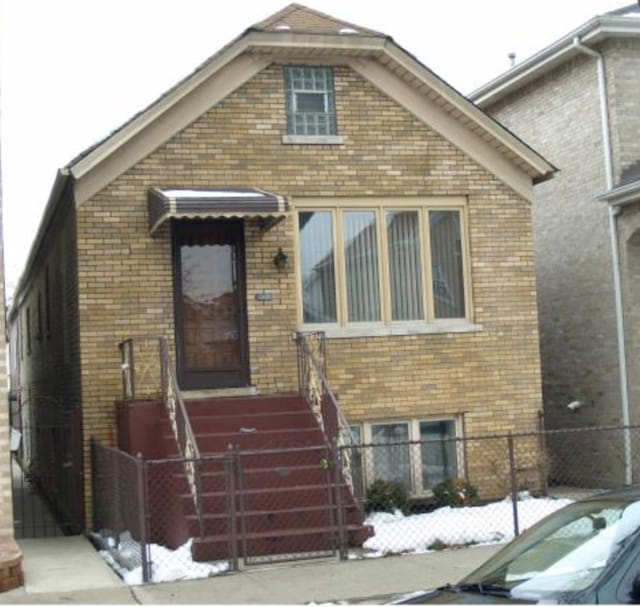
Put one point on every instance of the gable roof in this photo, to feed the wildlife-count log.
(302, 19)
(299, 33)
(622, 22)
(312, 35)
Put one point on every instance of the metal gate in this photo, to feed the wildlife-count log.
(282, 519)
(45, 468)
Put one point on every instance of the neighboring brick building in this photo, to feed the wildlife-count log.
(404, 211)
(10, 555)
(556, 101)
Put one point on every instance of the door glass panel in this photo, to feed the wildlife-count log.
(210, 307)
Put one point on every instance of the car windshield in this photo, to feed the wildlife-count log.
(564, 553)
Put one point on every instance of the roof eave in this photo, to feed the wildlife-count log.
(594, 31)
(542, 169)
(251, 40)
(57, 190)
(622, 195)
(255, 44)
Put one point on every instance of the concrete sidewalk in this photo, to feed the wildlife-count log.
(69, 570)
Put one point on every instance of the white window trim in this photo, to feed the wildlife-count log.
(415, 460)
(386, 326)
(313, 139)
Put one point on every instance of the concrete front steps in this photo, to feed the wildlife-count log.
(285, 499)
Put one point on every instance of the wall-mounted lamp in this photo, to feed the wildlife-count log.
(280, 259)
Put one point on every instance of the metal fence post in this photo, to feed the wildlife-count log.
(232, 511)
(337, 466)
(514, 485)
(147, 574)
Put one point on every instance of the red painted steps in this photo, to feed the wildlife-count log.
(218, 442)
(280, 457)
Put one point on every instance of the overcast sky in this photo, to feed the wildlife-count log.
(73, 70)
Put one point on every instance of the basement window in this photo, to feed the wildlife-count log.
(417, 453)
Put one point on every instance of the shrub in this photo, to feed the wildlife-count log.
(455, 492)
(387, 496)
(438, 544)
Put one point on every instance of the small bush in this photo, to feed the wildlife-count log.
(455, 492)
(438, 544)
(387, 496)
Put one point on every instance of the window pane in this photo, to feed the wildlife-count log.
(391, 462)
(405, 268)
(317, 267)
(446, 264)
(438, 456)
(310, 102)
(361, 261)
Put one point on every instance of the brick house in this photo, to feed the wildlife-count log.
(578, 101)
(312, 175)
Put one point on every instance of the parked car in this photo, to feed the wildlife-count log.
(587, 552)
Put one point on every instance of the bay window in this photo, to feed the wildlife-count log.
(382, 264)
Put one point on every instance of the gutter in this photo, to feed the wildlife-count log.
(615, 258)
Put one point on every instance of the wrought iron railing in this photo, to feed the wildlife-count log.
(181, 427)
(139, 366)
(160, 378)
(314, 387)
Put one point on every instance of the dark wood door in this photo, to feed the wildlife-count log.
(209, 294)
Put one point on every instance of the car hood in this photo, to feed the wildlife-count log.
(444, 596)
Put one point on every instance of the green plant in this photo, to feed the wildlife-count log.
(387, 496)
(437, 544)
(455, 492)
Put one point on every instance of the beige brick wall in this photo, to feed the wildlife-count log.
(125, 276)
(559, 115)
(573, 249)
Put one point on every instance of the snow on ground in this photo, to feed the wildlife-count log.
(493, 523)
(394, 534)
(166, 565)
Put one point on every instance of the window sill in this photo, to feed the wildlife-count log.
(313, 139)
(334, 332)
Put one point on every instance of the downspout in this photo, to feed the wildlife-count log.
(615, 258)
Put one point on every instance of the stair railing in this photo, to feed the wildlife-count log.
(315, 389)
(182, 430)
(143, 383)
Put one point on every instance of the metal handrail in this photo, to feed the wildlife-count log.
(182, 429)
(174, 406)
(128, 369)
(315, 389)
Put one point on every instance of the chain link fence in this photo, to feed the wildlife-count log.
(371, 499)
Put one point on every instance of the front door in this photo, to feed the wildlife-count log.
(211, 327)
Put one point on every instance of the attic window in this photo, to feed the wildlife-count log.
(310, 101)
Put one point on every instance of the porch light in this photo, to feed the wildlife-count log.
(280, 259)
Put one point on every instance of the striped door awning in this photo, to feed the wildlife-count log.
(214, 203)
